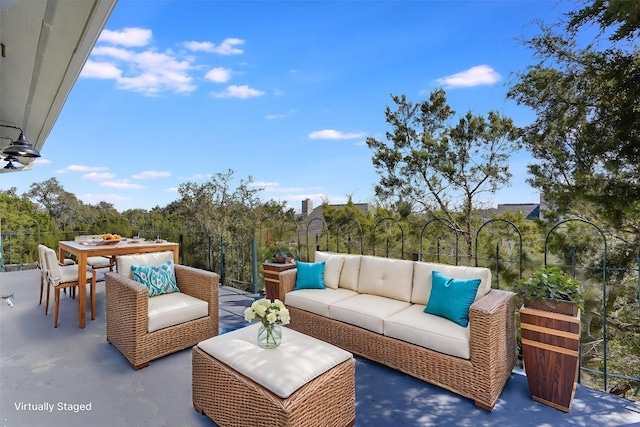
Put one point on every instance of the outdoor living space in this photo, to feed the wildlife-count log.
(72, 377)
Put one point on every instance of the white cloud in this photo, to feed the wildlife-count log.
(114, 52)
(81, 168)
(158, 72)
(235, 91)
(335, 134)
(122, 185)
(148, 71)
(196, 177)
(474, 76)
(152, 174)
(275, 187)
(218, 75)
(41, 161)
(97, 176)
(224, 48)
(279, 116)
(171, 189)
(153, 72)
(132, 36)
(268, 186)
(100, 70)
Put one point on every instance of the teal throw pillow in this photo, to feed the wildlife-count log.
(159, 279)
(451, 298)
(310, 275)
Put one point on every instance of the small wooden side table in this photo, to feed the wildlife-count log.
(272, 272)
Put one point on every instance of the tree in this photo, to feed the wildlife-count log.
(23, 227)
(586, 135)
(608, 13)
(61, 205)
(586, 144)
(216, 213)
(439, 167)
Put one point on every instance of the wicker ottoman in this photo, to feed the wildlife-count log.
(303, 382)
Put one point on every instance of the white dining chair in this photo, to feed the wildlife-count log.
(43, 268)
(61, 277)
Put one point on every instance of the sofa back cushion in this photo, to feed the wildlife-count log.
(386, 277)
(332, 268)
(350, 272)
(125, 262)
(422, 278)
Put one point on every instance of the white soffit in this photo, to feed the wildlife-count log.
(45, 45)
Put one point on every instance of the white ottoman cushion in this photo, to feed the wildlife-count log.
(282, 370)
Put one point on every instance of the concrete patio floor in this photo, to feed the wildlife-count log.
(73, 366)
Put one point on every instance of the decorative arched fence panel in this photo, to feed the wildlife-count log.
(587, 318)
(348, 243)
(438, 239)
(316, 235)
(236, 255)
(389, 239)
(282, 232)
(266, 233)
(499, 260)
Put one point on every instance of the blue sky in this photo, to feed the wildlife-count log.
(285, 92)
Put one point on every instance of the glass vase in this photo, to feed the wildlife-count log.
(269, 336)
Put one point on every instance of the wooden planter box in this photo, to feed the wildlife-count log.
(272, 272)
(550, 348)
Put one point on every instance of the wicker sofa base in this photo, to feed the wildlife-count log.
(483, 384)
(231, 399)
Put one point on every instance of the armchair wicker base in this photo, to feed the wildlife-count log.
(127, 317)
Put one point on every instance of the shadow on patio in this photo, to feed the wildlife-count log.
(68, 365)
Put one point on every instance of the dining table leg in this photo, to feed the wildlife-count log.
(82, 289)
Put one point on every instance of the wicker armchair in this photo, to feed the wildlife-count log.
(127, 318)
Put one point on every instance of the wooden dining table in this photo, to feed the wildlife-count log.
(84, 249)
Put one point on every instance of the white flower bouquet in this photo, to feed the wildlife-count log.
(267, 312)
(271, 315)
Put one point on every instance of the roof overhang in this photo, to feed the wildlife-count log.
(45, 44)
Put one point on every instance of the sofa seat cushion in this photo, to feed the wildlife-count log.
(172, 309)
(427, 330)
(366, 311)
(316, 301)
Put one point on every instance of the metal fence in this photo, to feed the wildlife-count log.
(235, 255)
